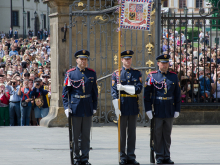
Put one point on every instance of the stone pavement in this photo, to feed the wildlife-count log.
(191, 145)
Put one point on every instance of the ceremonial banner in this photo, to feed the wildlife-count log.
(135, 14)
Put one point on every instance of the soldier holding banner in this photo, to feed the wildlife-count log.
(130, 86)
(80, 100)
(165, 89)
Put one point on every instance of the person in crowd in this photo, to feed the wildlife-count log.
(41, 108)
(14, 102)
(25, 94)
(2, 52)
(10, 33)
(216, 88)
(45, 79)
(16, 34)
(13, 51)
(33, 120)
(4, 108)
(201, 37)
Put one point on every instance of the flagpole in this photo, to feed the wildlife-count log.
(119, 75)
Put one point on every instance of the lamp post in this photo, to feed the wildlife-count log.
(42, 17)
(48, 20)
(185, 13)
(35, 23)
(24, 26)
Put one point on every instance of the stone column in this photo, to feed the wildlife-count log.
(59, 15)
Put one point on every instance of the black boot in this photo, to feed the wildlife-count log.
(134, 162)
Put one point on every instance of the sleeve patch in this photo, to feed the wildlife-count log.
(140, 78)
(113, 82)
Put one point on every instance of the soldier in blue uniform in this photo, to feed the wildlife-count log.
(162, 89)
(130, 86)
(80, 95)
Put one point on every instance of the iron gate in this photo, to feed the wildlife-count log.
(194, 62)
(94, 26)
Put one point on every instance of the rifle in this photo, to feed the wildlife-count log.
(152, 159)
(70, 135)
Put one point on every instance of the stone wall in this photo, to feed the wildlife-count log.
(198, 115)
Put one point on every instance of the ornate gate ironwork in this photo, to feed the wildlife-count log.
(196, 67)
(94, 26)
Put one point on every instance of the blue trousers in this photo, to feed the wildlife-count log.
(14, 109)
(25, 115)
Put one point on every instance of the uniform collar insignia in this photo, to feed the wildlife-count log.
(81, 69)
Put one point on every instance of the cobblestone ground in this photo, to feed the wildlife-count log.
(49, 146)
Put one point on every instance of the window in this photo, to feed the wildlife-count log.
(165, 4)
(182, 4)
(44, 21)
(15, 16)
(28, 19)
(199, 3)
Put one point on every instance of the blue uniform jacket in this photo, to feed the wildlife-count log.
(129, 105)
(80, 106)
(162, 108)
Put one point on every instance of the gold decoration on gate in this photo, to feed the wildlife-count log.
(149, 63)
(99, 88)
(153, 12)
(149, 46)
(116, 59)
(100, 18)
(151, 23)
(80, 4)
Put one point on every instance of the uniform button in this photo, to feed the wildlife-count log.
(128, 80)
(71, 101)
(128, 76)
(127, 72)
(82, 73)
(82, 77)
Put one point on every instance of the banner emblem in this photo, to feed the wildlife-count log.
(135, 14)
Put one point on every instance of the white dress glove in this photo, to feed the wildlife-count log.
(120, 87)
(94, 111)
(149, 114)
(127, 88)
(176, 114)
(67, 112)
(118, 113)
(117, 110)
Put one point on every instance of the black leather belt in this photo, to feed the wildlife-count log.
(14, 101)
(81, 96)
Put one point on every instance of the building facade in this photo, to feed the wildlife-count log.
(26, 15)
(178, 6)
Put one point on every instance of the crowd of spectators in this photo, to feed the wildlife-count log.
(197, 66)
(25, 84)
(41, 34)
